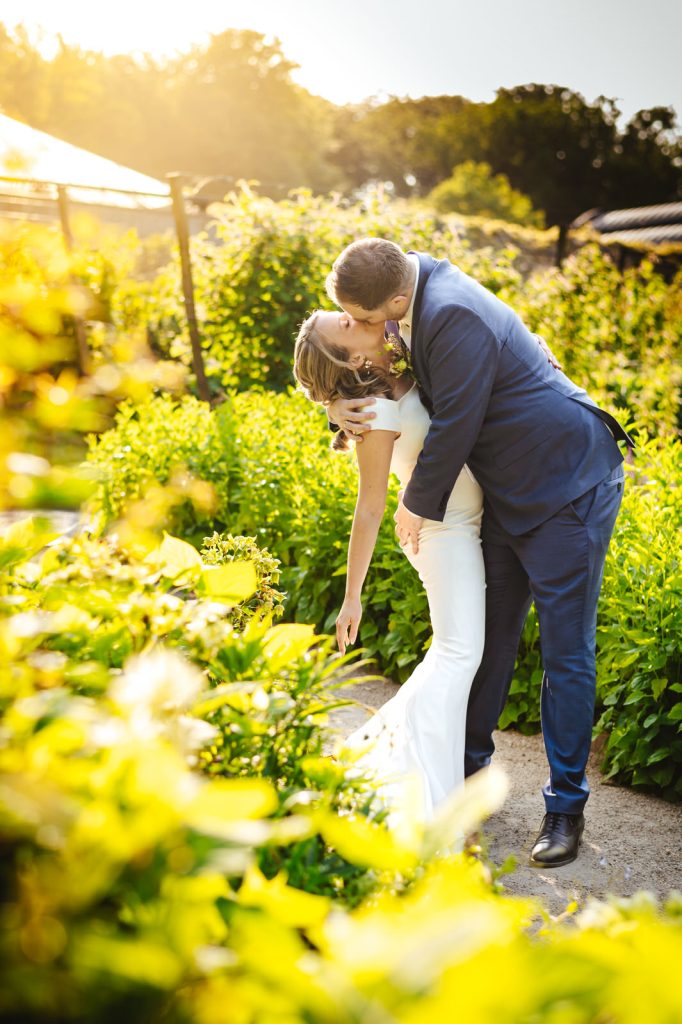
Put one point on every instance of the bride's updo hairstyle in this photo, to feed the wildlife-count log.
(324, 373)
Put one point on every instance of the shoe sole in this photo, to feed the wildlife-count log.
(558, 863)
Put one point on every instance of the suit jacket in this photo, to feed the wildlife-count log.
(533, 438)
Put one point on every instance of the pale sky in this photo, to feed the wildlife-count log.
(349, 50)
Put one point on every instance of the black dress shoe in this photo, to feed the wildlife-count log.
(558, 840)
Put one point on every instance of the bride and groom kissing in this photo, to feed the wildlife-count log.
(511, 479)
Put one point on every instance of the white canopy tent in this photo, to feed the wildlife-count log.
(33, 157)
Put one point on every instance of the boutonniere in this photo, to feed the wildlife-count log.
(401, 362)
(400, 355)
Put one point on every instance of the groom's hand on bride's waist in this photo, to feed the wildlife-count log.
(407, 526)
(352, 415)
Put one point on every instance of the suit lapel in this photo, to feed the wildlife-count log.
(427, 264)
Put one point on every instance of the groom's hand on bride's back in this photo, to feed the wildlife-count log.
(352, 415)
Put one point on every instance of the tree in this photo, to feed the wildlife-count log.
(646, 163)
(565, 154)
(228, 108)
(553, 146)
(411, 143)
(474, 189)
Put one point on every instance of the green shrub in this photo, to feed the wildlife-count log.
(474, 189)
(222, 549)
(289, 487)
(262, 269)
(296, 498)
(639, 633)
(617, 334)
(158, 442)
(639, 676)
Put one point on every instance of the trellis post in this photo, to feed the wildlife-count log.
(182, 231)
(78, 325)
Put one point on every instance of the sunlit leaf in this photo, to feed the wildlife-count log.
(23, 539)
(176, 558)
(231, 583)
(228, 800)
(286, 643)
(364, 842)
(291, 906)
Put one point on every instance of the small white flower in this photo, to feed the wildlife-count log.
(161, 682)
(190, 734)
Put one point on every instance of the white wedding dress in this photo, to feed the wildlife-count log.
(419, 733)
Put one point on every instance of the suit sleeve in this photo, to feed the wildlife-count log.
(462, 354)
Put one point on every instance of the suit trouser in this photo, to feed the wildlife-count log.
(558, 565)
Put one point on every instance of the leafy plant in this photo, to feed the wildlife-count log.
(222, 549)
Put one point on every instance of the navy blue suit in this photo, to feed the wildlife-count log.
(551, 471)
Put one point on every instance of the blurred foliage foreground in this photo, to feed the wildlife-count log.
(176, 842)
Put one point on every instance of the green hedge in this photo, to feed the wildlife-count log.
(284, 487)
(261, 269)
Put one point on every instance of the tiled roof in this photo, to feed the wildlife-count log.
(637, 217)
(662, 234)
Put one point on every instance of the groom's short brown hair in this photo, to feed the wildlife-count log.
(368, 273)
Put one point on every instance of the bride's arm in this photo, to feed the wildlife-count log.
(374, 461)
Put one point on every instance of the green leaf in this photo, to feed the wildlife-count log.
(23, 539)
(176, 558)
(658, 755)
(286, 643)
(233, 583)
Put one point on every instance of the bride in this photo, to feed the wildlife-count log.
(421, 730)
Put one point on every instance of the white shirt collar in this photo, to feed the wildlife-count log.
(407, 319)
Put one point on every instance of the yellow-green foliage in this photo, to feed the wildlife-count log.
(170, 438)
(639, 668)
(177, 846)
(46, 404)
(619, 335)
(474, 189)
(131, 887)
(284, 486)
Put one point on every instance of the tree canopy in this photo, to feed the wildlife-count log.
(230, 109)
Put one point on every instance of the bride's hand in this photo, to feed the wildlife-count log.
(347, 622)
(352, 415)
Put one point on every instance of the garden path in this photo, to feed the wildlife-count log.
(632, 840)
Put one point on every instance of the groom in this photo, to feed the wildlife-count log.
(547, 459)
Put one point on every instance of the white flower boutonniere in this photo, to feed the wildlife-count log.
(400, 355)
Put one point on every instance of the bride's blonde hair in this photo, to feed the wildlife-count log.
(324, 373)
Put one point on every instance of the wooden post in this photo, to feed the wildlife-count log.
(182, 231)
(78, 325)
(562, 243)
